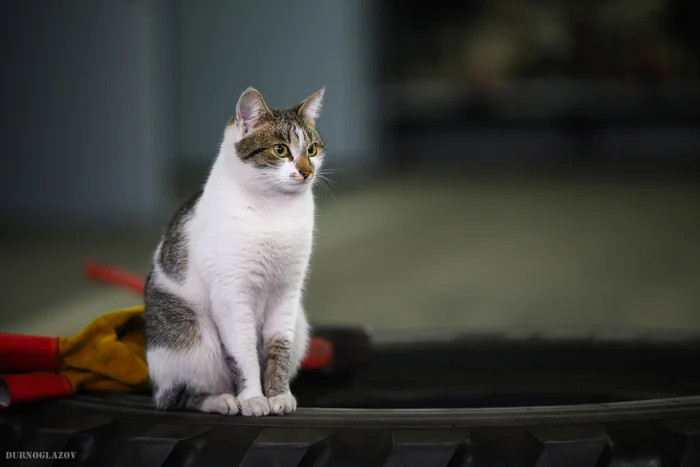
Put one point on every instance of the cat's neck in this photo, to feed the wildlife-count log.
(223, 183)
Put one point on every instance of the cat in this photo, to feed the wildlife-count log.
(225, 327)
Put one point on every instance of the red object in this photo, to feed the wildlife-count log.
(34, 359)
(28, 353)
(31, 387)
(319, 355)
(116, 276)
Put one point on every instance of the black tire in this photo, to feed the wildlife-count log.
(616, 419)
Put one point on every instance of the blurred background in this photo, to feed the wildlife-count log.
(496, 164)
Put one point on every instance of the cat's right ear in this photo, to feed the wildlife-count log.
(251, 109)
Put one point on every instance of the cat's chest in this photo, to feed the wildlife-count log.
(278, 234)
(278, 240)
(272, 255)
(249, 242)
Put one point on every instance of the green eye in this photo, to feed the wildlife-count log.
(312, 150)
(281, 150)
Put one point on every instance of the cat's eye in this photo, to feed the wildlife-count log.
(281, 150)
(312, 150)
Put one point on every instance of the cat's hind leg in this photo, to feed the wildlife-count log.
(190, 381)
(185, 361)
(183, 397)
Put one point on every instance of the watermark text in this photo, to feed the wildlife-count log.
(26, 455)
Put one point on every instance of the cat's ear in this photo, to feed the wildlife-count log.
(251, 109)
(310, 108)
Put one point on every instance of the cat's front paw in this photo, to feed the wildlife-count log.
(282, 404)
(255, 407)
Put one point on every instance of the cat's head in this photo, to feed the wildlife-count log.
(276, 149)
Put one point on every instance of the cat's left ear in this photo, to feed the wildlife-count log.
(310, 108)
(251, 109)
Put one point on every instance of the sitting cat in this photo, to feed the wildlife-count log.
(225, 326)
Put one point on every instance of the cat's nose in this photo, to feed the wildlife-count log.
(305, 173)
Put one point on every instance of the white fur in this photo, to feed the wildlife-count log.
(250, 241)
(223, 403)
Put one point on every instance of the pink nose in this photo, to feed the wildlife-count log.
(305, 173)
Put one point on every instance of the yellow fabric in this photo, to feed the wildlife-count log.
(108, 355)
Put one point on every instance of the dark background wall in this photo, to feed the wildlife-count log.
(287, 50)
(88, 115)
(495, 163)
(104, 103)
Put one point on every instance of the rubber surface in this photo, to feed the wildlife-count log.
(120, 430)
(124, 431)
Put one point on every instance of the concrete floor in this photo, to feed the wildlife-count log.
(421, 253)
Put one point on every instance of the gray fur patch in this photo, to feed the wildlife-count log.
(235, 373)
(179, 397)
(277, 366)
(279, 128)
(169, 320)
(173, 257)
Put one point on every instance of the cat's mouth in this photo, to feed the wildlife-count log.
(297, 184)
(300, 180)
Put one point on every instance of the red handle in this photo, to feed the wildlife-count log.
(31, 387)
(115, 276)
(19, 353)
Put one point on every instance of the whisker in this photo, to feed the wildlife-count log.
(328, 181)
(324, 185)
(333, 170)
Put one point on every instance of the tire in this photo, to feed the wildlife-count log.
(631, 401)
